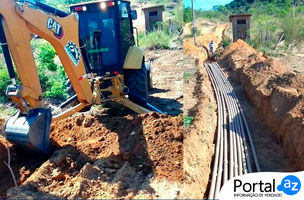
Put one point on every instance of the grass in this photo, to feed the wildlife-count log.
(6, 111)
(187, 76)
(188, 120)
(158, 39)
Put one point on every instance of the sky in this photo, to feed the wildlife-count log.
(205, 4)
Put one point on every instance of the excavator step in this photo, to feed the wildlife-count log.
(31, 130)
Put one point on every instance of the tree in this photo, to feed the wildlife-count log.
(68, 2)
(187, 14)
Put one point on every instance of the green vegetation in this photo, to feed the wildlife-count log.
(156, 39)
(51, 74)
(274, 21)
(166, 33)
(188, 120)
(187, 76)
(4, 82)
(6, 110)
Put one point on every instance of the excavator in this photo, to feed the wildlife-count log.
(96, 45)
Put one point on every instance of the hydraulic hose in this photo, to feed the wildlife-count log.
(6, 53)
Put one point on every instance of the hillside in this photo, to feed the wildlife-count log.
(276, 29)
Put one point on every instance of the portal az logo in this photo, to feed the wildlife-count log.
(55, 27)
(290, 185)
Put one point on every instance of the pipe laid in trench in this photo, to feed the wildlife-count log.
(240, 119)
(244, 156)
(245, 159)
(239, 158)
(255, 157)
(216, 157)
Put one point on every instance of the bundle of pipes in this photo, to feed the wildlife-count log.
(233, 135)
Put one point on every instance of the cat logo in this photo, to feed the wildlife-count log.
(55, 27)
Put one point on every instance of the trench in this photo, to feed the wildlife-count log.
(234, 154)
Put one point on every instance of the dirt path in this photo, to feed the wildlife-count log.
(201, 51)
(167, 79)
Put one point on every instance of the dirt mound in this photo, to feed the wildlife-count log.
(274, 91)
(239, 54)
(194, 51)
(239, 45)
(119, 157)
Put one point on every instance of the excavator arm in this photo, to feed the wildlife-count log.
(20, 21)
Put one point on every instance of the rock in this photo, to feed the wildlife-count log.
(88, 122)
(57, 158)
(89, 171)
(103, 163)
(115, 158)
(87, 168)
(82, 160)
(131, 190)
(110, 171)
(58, 175)
(116, 166)
(125, 172)
(126, 156)
(80, 120)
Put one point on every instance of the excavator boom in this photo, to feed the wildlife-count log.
(20, 20)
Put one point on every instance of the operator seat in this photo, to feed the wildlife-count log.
(107, 40)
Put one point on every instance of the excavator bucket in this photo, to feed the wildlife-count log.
(31, 130)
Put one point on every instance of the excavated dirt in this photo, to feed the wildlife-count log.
(199, 137)
(100, 157)
(275, 92)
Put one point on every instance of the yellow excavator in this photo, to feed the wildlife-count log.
(96, 46)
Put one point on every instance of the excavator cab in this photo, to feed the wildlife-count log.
(105, 33)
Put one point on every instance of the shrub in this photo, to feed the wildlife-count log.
(4, 82)
(188, 120)
(46, 54)
(56, 91)
(187, 76)
(51, 75)
(157, 39)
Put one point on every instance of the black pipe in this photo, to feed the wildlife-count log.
(6, 53)
(50, 9)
